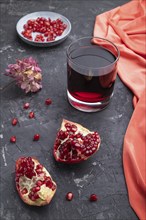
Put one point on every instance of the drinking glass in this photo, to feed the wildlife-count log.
(91, 73)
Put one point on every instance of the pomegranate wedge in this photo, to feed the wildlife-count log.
(33, 182)
(74, 143)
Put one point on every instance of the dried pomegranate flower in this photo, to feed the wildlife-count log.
(27, 74)
(33, 182)
(74, 143)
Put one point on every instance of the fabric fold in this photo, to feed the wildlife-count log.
(126, 27)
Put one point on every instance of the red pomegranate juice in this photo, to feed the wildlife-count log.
(91, 85)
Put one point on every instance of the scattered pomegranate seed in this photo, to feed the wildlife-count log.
(26, 105)
(14, 121)
(13, 139)
(69, 196)
(36, 137)
(31, 115)
(93, 197)
(48, 101)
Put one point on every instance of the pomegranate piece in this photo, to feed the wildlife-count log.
(75, 143)
(69, 196)
(36, 137)
(33, 182)
(48, 101)
(93, 197)
(13, 139)
(26, 105)
(14, 121)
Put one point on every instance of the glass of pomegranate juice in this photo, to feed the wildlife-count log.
(91, 73)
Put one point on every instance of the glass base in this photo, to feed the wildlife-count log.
(88, 106)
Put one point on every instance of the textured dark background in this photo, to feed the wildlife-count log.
(103, 173)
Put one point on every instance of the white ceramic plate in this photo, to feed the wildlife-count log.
(45, 14)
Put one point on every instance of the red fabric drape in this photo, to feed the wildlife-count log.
(126, 27)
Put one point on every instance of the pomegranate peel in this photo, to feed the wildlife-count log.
(33, 182)
(75, 143)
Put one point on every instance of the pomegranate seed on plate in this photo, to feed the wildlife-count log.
(42, 25)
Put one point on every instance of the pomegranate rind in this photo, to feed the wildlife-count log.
(84, 131)
(47, 193)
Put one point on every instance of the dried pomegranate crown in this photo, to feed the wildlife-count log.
(27, 74)
(74, 143)
(33, 182)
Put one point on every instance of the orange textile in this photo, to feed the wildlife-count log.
(126, 27)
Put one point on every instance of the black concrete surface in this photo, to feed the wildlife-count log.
(103, 173)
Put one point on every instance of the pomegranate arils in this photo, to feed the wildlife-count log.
(48, 101)
(36, 137)
(62, 135)
(53, 187)
(69, 196)
(73, 128)
(93, 197)
(39, 183)
(14, 121)
(24, 191)
(33, 196)
(36, 189)
(13, 139)
(49, 184)
(39, 169)
(26, 167)
(31, 115)
(39, 38)
(46, 28)
(39, 166)
(26, 105)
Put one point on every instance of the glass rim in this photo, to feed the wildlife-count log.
(94, 68)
